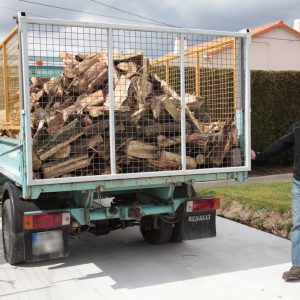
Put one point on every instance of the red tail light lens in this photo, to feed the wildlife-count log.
(46, 220)
(203, 204)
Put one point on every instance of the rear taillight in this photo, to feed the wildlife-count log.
(46, 220)
(203, 204)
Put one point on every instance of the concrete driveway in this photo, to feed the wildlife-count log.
(240, 263)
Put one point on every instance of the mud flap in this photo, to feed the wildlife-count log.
(197, 225)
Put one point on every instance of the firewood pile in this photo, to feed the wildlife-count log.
(70, 121)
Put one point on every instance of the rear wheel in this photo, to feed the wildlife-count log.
(176, 236)
(13, 242)
(155, 231)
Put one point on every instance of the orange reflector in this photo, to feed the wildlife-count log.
(217, 203)
(39, 63)
(28, 222)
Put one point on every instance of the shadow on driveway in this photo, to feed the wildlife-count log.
(135, 263)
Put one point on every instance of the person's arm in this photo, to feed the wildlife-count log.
(280, 145)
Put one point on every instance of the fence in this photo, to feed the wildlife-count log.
(9, 82)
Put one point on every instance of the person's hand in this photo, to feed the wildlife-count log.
(253, 155)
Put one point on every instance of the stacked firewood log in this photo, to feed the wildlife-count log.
(70, 121)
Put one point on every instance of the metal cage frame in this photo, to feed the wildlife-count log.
(26, 138)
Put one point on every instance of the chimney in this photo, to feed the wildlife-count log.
(297, 24)
(177, 45)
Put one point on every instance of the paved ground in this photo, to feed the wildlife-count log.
(240, 263)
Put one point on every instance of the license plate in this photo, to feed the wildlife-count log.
(47, 242)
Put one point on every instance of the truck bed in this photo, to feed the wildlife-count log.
(119, 115)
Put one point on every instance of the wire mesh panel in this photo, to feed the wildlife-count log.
(70, 112)
(147, 108)
(9, 86)
(110, 100)
(213, 78)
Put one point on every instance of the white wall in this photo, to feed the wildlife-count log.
(275, 50)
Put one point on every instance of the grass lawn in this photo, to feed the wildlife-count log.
(265, 206)
(272, 196)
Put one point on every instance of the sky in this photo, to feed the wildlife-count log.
(228, 15)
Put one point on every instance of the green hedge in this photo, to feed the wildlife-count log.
(275, 103)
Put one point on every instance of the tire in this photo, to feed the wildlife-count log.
(176, 236)
(159, 235)
(13, 242)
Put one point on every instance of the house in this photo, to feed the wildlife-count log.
(275, 46)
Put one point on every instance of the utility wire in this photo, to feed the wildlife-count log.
(15, 10)
(83, 11)
(130, 13)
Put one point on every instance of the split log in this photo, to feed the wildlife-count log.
(97, 128)
(83, 144)
(223, 145)
(96, 98)
(121, 91)
(156, 106)
(99, 81)
(144, 80)
(38, 82)
(55, 122)
(164, 165)
(195, 122)
(194, 138)
(70, 63)
(136, 57)
(53, 87)
(85, 64)
(175, 157)
(158, 129)
(202, 144)
(166, 88)
(63, 153)
(129, 68)
(172, 108)
(35, 97)
(36, 162)
(103, 151)
(163, 141)
(56, 169)
(96, 111)
(97, 71)
(69, 71)
(47, 153)
(60, 140)
(135, 95)
(67, 56)
(138, 115)
(140, 149)
(191, 99)
(200, 159)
